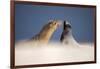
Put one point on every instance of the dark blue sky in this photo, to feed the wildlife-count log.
(29, 19)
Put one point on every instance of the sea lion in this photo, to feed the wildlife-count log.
(66, 36)
(47, 31)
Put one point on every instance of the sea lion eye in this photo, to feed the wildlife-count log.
(68, 26)
(55, 23)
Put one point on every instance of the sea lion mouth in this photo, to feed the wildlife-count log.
(67, 31)
(59, 24)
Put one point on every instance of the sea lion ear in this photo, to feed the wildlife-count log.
(50, 24)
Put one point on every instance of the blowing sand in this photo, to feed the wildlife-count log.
(27, 52)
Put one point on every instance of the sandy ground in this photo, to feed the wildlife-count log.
(27, 52)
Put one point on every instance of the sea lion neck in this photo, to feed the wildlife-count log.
(46, 34)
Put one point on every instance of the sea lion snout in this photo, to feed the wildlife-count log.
(59, 23)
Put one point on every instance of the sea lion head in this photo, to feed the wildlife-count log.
(67, 27)
(54, 24)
